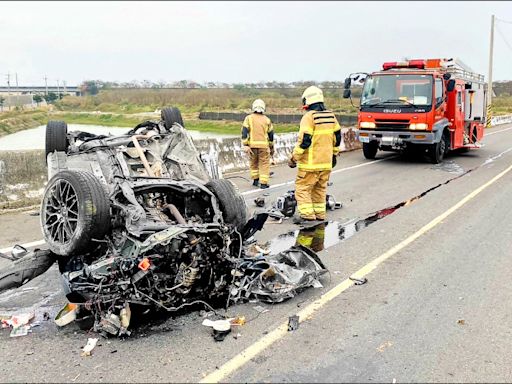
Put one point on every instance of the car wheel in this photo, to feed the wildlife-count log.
(56, 137)
(171, 116)
(232, 204)
(370, 149)
(74, 211)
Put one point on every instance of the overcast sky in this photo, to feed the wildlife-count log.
(241, 41)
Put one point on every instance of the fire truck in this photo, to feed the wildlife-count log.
(431, 106)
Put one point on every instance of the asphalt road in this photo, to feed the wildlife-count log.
(435, 307)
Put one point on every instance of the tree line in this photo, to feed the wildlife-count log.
(92, 87)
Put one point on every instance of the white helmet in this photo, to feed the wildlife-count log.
(258, 106)
(312, 95)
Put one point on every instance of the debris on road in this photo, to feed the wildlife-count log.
(358, 281)
(66, 315)
(384, 345)
(260, 309)
(19, 324)
(461, 322)
(26, 268)
(221, 328)
(238, 321)
(275, 278)
(293, 323)
(260, 202)
(87, 350)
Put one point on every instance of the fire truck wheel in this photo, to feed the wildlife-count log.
(370, 149)
(436, 151)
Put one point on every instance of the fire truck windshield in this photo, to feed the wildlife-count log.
(397, 89)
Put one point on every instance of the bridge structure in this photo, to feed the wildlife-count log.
(40, 89)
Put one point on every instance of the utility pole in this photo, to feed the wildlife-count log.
(9, 89)
(58, 89)
(46, 84)
(489, 80)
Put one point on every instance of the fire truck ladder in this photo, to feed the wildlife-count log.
(460, 70)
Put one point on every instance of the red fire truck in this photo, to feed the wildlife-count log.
(433, 106)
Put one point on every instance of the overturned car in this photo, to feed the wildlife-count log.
(139, 217)
(142, 221)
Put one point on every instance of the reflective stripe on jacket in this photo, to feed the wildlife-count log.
(260, 131)
(320, 125)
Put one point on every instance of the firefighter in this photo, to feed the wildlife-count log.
(315, 153)
(258, 142)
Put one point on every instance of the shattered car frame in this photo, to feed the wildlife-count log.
(139, 218)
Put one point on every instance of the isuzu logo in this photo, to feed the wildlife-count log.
(394, 110)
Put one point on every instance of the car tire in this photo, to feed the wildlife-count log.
(171, 116)
(370, 149)
(74, 211)
(56, 137)
(437, 150)
(231, 202)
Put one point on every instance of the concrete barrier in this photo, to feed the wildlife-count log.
(23, 174)
(346, 120)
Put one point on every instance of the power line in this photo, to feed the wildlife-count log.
(504, 21)
(504, 38)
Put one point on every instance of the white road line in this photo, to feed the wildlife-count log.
(307, 313)
(493, 133)
(27, 245)
(337, 171)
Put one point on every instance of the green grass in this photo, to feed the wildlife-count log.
(109, 120)
(221, 127)
(502, 105)
(225, 127)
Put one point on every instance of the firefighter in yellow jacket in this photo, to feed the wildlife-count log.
(258, 141)
(315, 153)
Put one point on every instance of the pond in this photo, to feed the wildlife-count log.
(35, 138)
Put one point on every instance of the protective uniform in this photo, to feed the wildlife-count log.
(258, 139)
(312, 238)
(315, 153)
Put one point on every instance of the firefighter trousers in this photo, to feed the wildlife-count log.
(260, 164)
(310, 193)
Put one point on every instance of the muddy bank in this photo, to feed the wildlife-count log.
(23, 174)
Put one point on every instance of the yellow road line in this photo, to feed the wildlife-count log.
(266, 341)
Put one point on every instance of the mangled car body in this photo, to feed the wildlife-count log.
(138, 218)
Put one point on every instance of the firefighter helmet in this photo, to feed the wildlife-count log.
(258, 106)
(312, 95)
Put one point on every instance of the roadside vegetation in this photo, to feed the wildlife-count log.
(198, 100)
(128, 107)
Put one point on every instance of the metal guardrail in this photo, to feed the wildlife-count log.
(498, 120)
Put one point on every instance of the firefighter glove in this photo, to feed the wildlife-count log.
(247, 150)
(334, 161)
(291, 162)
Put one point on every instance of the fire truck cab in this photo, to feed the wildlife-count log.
(430, 106)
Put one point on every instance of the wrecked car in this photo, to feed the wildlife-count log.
(141, 222)
(139, 218)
